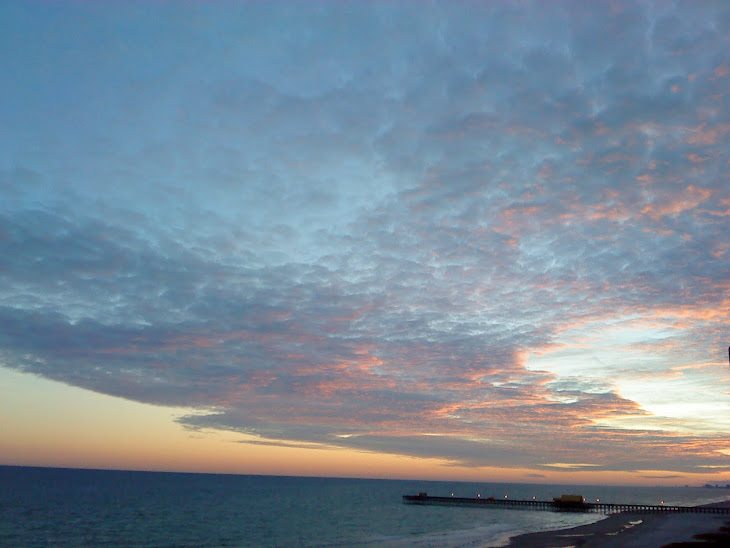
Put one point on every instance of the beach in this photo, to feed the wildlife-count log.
(629, 530)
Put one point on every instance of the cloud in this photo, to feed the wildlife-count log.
(359, 227)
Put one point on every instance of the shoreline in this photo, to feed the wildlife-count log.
(629, 530)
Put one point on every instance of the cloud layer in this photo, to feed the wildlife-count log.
(457, 230)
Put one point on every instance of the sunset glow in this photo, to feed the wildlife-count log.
(475, 241)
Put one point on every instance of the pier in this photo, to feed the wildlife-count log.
(558, 506)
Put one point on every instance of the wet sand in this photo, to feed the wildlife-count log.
(630, 530)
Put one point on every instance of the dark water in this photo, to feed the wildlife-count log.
(66, 507)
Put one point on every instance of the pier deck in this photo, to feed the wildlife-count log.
(554, 506)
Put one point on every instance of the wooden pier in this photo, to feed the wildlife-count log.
(557, 506)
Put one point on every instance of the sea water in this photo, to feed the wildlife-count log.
(67, 507)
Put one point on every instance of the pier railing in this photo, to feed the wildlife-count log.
(557, 506)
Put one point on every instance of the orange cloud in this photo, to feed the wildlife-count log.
(696, 158)
(702, 135)
(721, 71)
(689, 199)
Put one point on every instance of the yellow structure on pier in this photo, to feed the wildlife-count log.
(569, 499)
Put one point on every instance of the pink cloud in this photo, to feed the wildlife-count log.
(673, 204)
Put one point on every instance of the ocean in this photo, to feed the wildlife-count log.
(71, 508)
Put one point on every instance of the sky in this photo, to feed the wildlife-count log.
(470, 240)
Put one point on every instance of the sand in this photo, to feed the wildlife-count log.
(629, 530)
